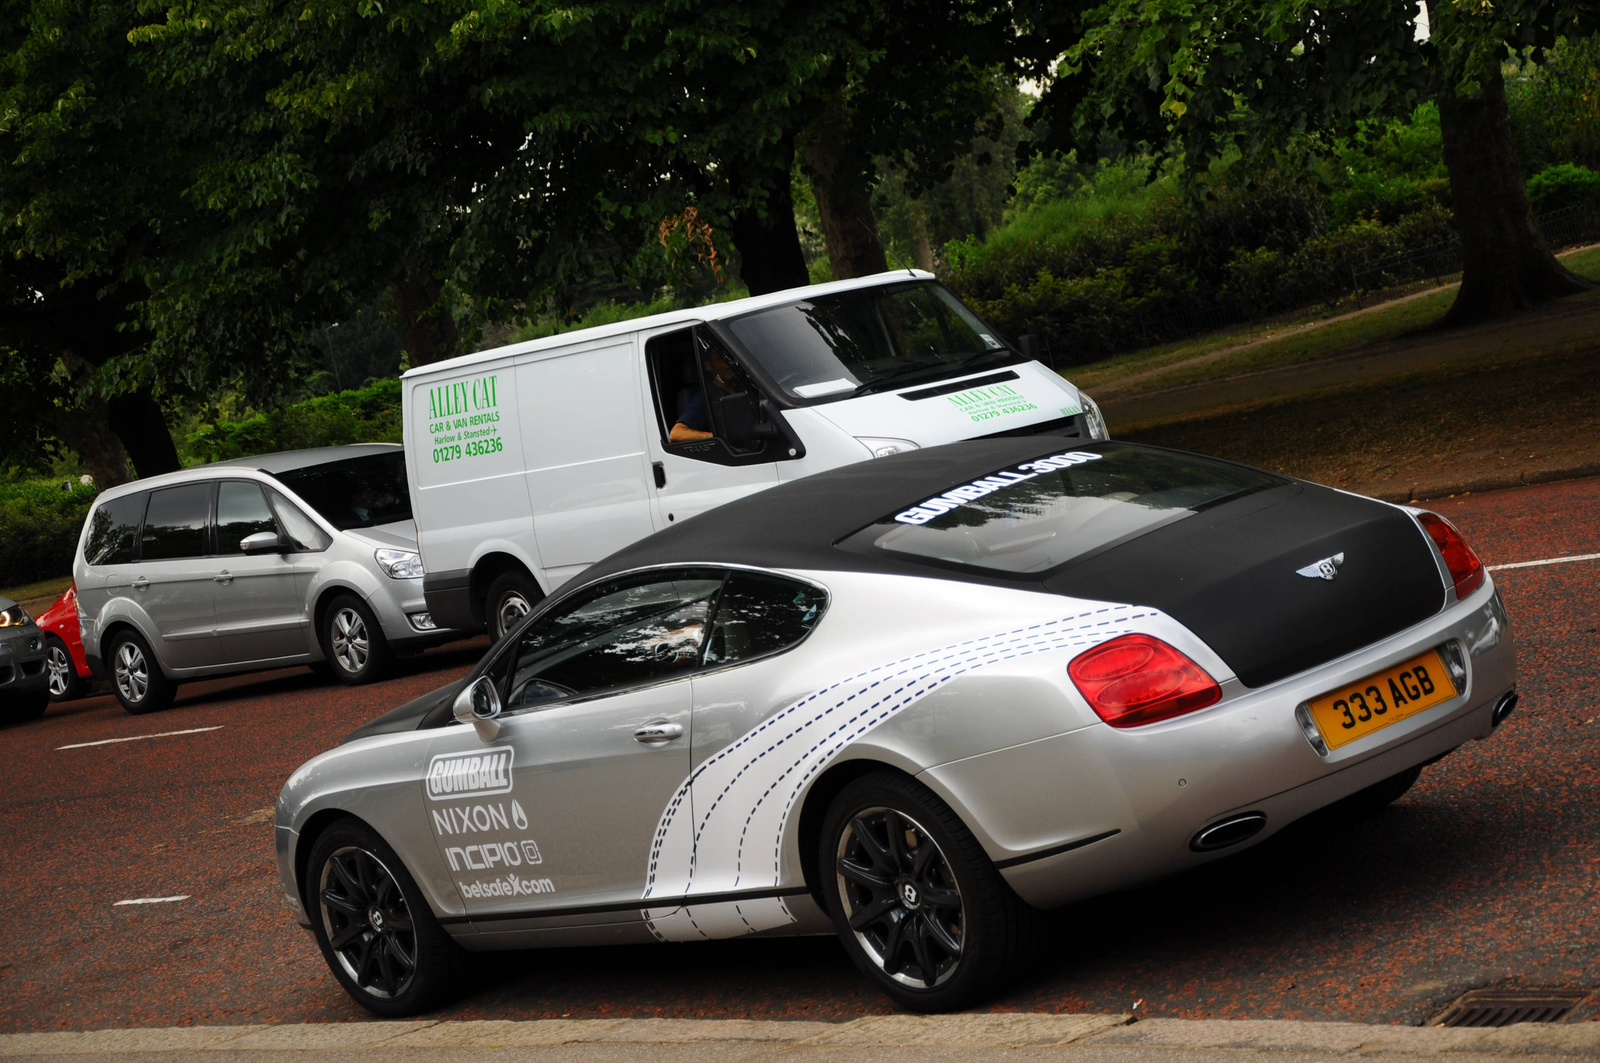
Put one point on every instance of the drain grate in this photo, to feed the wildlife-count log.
(1505, 1007)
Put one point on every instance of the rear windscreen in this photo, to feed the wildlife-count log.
(1036, 515)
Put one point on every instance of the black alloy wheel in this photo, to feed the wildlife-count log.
(136, 676)
(900, 898)
(65, 682)
(916, 901)
(376, 932)
(511, 597)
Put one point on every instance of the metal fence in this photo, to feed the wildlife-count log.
(1435, 263)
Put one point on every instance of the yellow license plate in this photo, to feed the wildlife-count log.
(1369, 704)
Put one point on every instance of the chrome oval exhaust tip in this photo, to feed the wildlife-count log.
(1230, 831)
(1505, 707)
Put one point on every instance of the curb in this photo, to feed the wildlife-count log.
(983, 1030)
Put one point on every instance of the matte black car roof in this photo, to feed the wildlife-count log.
(795, 525)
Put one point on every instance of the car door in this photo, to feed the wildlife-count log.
(175, 582)
(260, 611)
(557, 815)
(689, 370)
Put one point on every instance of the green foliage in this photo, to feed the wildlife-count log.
(365, 415)
(1555, 107)
(39, 526)
(1049, 177)
(1563, 185)
(1390, 169)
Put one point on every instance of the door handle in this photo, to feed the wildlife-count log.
(223, 577)
(654, 733)
(660, 470)
(140, 583)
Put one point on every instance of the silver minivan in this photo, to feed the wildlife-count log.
(304, 557)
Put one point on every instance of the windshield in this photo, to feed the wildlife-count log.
(871, 339)
(1043, 513)
(356, 492)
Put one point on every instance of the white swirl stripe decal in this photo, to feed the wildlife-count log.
(724, 828)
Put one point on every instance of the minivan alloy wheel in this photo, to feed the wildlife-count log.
(350, 640)
(367, 922)
(131, 672)
(900, 898)
(59, 665)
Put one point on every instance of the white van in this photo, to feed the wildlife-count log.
(530, 462)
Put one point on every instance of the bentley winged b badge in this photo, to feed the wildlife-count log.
(1327, 568)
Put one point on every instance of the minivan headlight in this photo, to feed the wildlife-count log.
(16, 616)
(400, 564)
(882, 448)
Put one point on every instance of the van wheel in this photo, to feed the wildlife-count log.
(353, 642)
(136, 676)
(65, 683)
(511, 597)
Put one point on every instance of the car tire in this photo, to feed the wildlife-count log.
(29, 706)
(136, 676)
(1379, 796)
(935, 932)
(353, 642)
(376, 931)
(511, 597)
(65, 682)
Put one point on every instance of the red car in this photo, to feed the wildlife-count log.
(69, 671)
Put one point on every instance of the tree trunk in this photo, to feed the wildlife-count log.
(426, 324)
(764, 233)
(1506, 266)
(842, 182)
(86, 431)
(136, 419)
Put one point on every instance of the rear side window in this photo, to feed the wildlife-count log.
(760, 614)
(114, 531)
(175, 523)
(1043, 513)
(241, 511)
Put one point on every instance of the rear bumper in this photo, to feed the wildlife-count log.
(1144, 793)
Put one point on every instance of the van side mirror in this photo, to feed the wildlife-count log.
(742, 420)
(261, 542)
(479, 705)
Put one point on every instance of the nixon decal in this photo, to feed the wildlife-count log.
(476, 819)
(452, 775)
(957, 497)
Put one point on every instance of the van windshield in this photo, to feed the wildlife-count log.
(356, 492)
(872, 339)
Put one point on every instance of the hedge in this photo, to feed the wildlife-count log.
(39, 525)
(366, 415)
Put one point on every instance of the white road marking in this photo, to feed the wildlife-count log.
(152, 900)
(136, 738)
(1546, 561)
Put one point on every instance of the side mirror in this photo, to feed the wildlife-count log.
(479, 705)
(262, 542)
(742, 420)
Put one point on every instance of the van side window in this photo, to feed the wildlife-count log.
(114, 531)
(303, 531)
(176, 523)
(760, 614)
(690, 373)
(241, 511)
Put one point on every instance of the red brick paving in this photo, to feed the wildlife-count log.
(1486, 872)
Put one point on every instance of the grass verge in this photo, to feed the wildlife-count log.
(45, 588)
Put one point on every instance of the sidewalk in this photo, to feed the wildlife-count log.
(978, 1037)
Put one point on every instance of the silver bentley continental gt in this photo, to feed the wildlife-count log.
(914, 701)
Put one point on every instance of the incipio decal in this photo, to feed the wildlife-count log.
(957, 497)
(452, 775)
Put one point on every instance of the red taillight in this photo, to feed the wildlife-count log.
(1137, 679)
(1464, 566)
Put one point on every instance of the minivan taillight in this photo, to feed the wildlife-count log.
(1138, 679)
(1464, 566)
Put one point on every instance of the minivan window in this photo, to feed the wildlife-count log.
(303, 531)
(114, 530)
(872, 339)
(241, 511)
(354, 492)
(175, 524)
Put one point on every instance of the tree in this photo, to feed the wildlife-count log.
(1206, 78)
